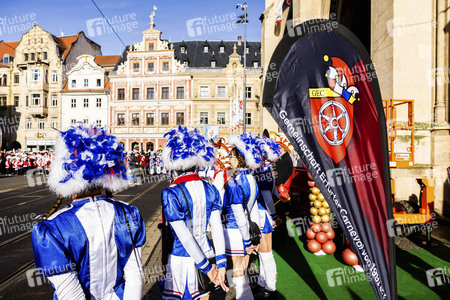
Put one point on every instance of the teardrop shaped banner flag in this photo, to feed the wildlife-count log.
(322, 89)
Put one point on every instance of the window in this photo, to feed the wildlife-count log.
(165, 93)
(54, 100)
(182, 49)
(16, 78)
(36, 99)
(180, 118)
(120, 94)
(135, 119)
(180, 92)
(54, 75)
(248, 118)
(221, 118)
(41, 124)
(150, 118)
(86, 102)
(98, 123)
(35, 74)
(4, 101)
(6, 59)
(74, 83)
(151, 47)
(45, 55)
(99, 102)
(186, 63)
(121, 119)
(86, 82)
(204, 118)
(150, 93)
(213, 64)
(73, 122)
(165, 66)
(45, 102)
(73, 103)
(255, 64)
(32, 56)
(222, 49)
(135, 93)
(204, 91)
(86, 121)
(205, 49)
(16, 101)
(151, 67)
(248, 93)
(26, 101)
(26, 56)
(54, 122)
(135, 67)
(28, 123)
(247, 50)
(99, 82)
(164, 118)
(221, 92)
(46, 76)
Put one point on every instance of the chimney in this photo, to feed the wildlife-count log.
(239, 40)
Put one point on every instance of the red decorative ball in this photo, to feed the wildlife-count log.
(326, 227)
(316, 227)
(321, 237)
(314, 246)
(330, 234)
(311, 184)
(310, 234)
(349, 257)
(329, 247)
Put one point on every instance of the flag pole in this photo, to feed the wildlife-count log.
(243, 19)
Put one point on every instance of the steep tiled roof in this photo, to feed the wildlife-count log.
(106, 60)
(197, 58)
(64, 43)
(7, 48)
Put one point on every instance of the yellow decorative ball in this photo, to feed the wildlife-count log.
(313, 211)
(325, 218)
(320, 197)
(311, 203)
(317, 204)
(325, 204)
(315, 191)
(328, 210)
(316, 219)
(312, 197)
(322, 211)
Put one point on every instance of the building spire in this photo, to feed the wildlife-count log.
(152, 17)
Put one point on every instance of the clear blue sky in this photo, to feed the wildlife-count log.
(177, 19)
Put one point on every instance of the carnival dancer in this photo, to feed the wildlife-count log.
(266, 286)
(189, 203)
(8, 165)
(92, 248)
(152, 163)
(241, 192)
(158, 163)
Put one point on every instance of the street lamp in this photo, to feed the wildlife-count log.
(243, 19)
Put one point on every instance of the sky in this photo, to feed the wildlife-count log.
(177, 19)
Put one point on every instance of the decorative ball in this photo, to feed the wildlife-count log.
(317, 219)
(328, 210)
(321, 237)
(325, 204)
(311, 203)
(329, 247)
(317, 204)
(312, 197)
(316, 227)
(349, 257)
(325, 218)
(315, 191)
(330, 234)
(311, 184)
(320, 197)
(313, 211)
(314, 246)
(310, 234)
(322, 211)
(326, 227)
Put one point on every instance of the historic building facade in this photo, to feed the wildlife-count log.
(36, 77)
(85, 96)
(408, 42)
(150, 93)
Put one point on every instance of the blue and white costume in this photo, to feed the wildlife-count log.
(191, 250)
(187, 149)
(266, 184)
(236, 231)
(86, 250)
